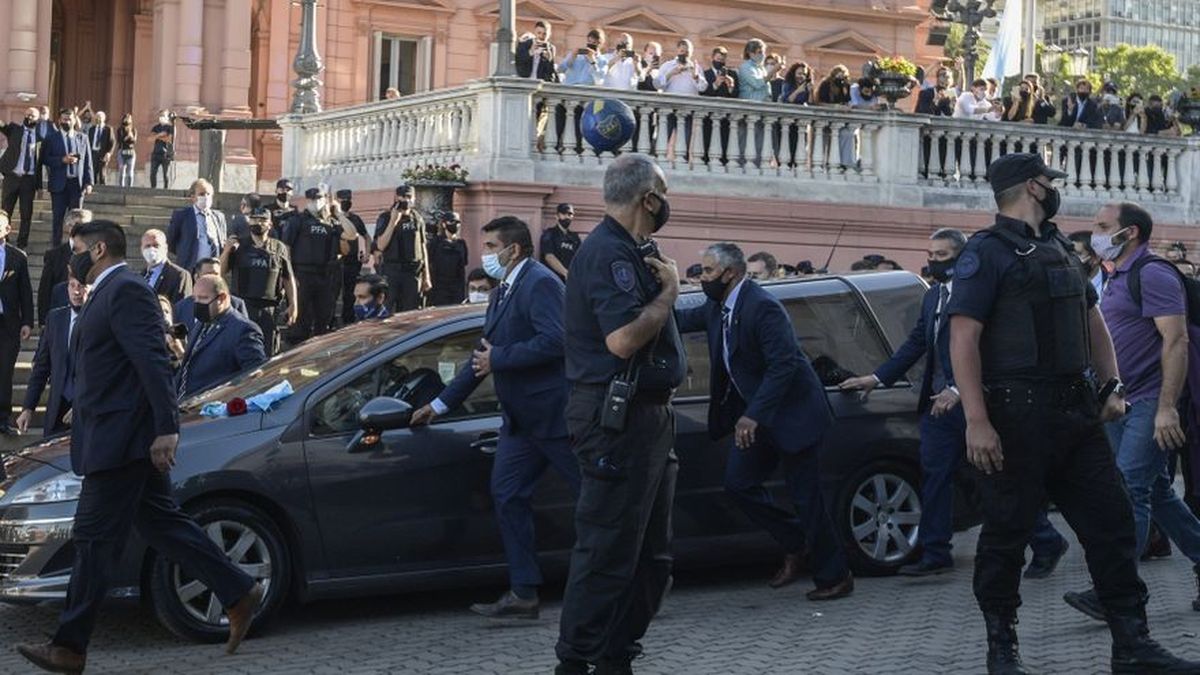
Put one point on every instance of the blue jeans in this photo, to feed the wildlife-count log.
(943, 447)
(1144, 466)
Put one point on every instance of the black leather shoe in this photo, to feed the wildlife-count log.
(1003, 657)
(1157, 545)
(509, 606)
(792, 569)
(839, 590)
(571, 668)
(1133, 650)
(614, 667)
(925, 568)
(1088, 603)
(1043, 566)
(52, 658)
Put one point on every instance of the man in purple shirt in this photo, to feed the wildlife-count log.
(1151, 342)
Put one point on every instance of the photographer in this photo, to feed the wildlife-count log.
(775, 64)
(164, 148)
(624, 69)
(1112, 113)
(1019, 105)
(586, 65)
(721, 83)
(651, 64)
(535, 56)
(175, 334)
(682, 75)
(797, 85)
(1157, 121)
(938, 100)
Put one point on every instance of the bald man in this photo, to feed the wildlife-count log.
(222, 343)
(19, 166)
(164, 277)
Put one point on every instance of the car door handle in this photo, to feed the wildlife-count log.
(486, 442)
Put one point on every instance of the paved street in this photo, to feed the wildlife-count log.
(716, 622)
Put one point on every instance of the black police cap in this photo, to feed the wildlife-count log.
(565, 208)
(315, 192)
(1016, 168)
(451, 217)
(404, 190)
(345, 194)
(285, 184)
(261, 213)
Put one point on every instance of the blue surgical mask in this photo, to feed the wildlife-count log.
(367, 311)
(492, 266)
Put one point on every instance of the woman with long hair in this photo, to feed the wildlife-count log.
(126, 154)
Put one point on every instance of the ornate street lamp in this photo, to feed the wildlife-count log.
(307, 63)
(505, 36)
(970, 13)
(1052, 56)
(1081, 59)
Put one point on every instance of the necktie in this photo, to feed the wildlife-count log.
(1079, 110)
(726, 333)
(943, 299)
(29, 152)
(68, 392)
(183, 372)
(70, 141)
(503, 290)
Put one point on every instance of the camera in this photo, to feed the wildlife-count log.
(179, 331)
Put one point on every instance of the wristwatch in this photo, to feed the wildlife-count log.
(1114, 387)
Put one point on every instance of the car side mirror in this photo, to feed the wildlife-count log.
(380, 414)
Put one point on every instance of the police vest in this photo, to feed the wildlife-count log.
(403, 246)
(1038, 327)
(315, 242)
(257, 272)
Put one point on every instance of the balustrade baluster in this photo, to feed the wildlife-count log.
(1171, 182)
(682, 137)
(642, 142)
(570, 140)
(822, 143)
(660, 139)
(1158, 181)
(767, 164)
(1088, 158)
(1142, 167)
(712, 149)
(868, 134)
(551, 138)
(977, 154)
(941, 156)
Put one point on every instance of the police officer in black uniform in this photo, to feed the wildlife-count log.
(283, 208)
(1024, 330)
(262, 275)
(352, 261)
(559, 244)
(448, 262)
(400, 239)
(624, 358)
(316, 237)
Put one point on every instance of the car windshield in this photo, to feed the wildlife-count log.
(305, 363)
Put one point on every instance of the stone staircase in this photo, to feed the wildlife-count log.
(138, 209)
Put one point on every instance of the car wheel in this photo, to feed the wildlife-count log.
(878, 516)
(186, 607)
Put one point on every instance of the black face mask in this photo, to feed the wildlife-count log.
(30, 122)
(81, 264)
(593, 46)
(941, 270)
(346, 205)
(1051, 202)
(1082, 96)
(715, 288)
(1025, 94)
(664, 213)
(718, 65)
(564, 223)
(65, 127)
(259, 228)
(281, 197)
(401, 204)
(203, 311)
(451, 228)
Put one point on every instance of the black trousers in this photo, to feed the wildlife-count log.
(350, 272)
(99, 166)
(315, 304)
(621, 563)
(10, 349)
(70, 197)
(21, 189)
(404, 285)
(113, 502)
(159, 162)
(262, 313)
(1060, 453)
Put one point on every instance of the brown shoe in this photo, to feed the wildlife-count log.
(793, 569)
(839, 590)
(241, 616)
(54, 659)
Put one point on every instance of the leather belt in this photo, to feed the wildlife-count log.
(646, 396)
(1053, 393)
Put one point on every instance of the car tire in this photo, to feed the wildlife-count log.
(186, 607)
(880, 501)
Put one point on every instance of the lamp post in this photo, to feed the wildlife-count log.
(307, 63)
(1081, 59)
(505, 34)
(971, 14)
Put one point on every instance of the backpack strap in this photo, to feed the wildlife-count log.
(1135, 276)
(1021, 247)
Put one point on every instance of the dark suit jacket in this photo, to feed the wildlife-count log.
(233, 345)
(13, 133)
(185, 310)
(710, 76)
(1091, 113)
(124, 386)
(54, 149)
(181, 235)
(54, 272)
(175, 283)
(546, 67)
(527, 335)
(780, 388)
(927, 104)
(107, 140)
(16, 291)
(50, 366)
(921, 344)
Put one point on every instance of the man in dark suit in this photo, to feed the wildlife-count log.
(69, 166)
(943, 426)
(535, 57)
(185, 310)
(223, 342)
(52, 365)
(101, 140)
(939, 99)
(54, 264)
(765, 391)
(196, 231)
(16, 318)
(22, 175)
(1080, 110)
(164, 277)
(124, 447)
(523, 346)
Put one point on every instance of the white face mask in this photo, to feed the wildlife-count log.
(204, 202)
(477, 297)
(316, 206)
(163, 119)
(152, 255)
(1104, 246)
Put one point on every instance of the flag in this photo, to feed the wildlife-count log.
(1005, 58)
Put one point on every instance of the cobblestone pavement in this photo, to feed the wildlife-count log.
(720, 622)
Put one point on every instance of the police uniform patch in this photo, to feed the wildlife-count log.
(967, 266)
(623, 275)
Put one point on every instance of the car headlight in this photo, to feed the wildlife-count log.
(64, 488)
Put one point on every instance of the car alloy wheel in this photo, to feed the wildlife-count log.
(885, 516)
(244, 548)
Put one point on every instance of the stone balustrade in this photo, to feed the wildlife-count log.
(525, 131)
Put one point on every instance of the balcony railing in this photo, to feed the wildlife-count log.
(525, 131)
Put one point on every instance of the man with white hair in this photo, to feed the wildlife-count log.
(624, 69)
(164, 277)
(100, 137)
(197, 231)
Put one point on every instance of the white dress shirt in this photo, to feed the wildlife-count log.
(969, 106)
(622, 74)
(731, 304)
(690, 80)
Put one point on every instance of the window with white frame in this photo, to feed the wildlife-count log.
(401, 62)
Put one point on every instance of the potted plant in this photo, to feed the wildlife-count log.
(896, 76)
(435, 185)
(1188, 109)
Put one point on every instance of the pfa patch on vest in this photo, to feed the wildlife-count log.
(967, 266)
(623, 275)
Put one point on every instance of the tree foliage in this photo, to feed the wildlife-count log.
(1147, 70)
(954, 46)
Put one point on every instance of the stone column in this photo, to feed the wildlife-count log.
(189, 55)
(22, 64)
(235, 62)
